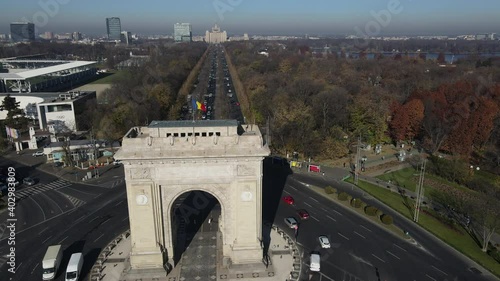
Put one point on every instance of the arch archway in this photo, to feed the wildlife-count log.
(168, 159)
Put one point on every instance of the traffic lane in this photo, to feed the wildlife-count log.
(95, 230)
(354, 227)
(446, 259)
(83, 192)
(449, 261)
(355, 256)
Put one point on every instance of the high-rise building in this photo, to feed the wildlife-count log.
(22, 31)
(216, 35)
(126, 37)
(182, 32)
(77, 36)
(114, 28)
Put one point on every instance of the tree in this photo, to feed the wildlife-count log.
(484, 209)
(16, 117)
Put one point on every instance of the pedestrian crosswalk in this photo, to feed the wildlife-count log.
(39, 188)
(75, 201)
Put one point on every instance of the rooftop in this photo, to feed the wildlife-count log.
(46, 70)
(195, 123)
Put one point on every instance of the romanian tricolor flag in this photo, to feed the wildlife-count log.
(201, 106)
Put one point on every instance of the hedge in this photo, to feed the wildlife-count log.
(371, 211)
(386, 219)
(330, 190)
(343, 196)
(357, 203)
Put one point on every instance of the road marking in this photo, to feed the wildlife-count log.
(430, 277)
(324, 209)
(293, 188)
(314, 200)
(359, 234)
(126, 218)
(314, 218)
(393, 255)
(18, 267)
(118, 203)
(105, 220)
(46, 239)
(43, 230)
(34, 268)
(378, 258)
(399, 247)
(337, 212)
(305, 203)
(439, 270)
(323, 275)
(81, 191)
(343, 236)
(365, 227)
(44, 217)
(52, 201)
(60, 242)
(98, 237)
(331, 218)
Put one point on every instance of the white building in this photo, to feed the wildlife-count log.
(215, 36)
(66, 111)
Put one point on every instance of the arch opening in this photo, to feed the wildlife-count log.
(196, 219)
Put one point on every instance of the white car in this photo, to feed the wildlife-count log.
(38, 153)
(324, 241)
(291, 222)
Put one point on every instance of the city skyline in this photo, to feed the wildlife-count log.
(388, 17)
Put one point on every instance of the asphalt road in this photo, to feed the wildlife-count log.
(83, 218)
(362, 250)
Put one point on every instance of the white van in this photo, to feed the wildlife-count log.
(315, 262)
(74, 267)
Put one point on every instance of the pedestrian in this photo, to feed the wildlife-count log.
(344, 164)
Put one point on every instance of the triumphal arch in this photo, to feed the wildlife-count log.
(168, 158)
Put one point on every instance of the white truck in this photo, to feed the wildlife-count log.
(315, 262)
(51, 262)
(74, 268)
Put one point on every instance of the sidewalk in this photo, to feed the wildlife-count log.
(285, 262)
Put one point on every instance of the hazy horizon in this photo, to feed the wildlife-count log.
(279, 17)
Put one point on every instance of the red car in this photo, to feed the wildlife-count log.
(303, 214)
(289, 200)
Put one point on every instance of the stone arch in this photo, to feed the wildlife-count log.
(174, 193)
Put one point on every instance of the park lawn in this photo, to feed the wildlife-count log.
(457, 238)
(404, 178)
(108, 77)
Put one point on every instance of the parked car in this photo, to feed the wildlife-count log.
(28, 181)
(38, 153)
(324, 242)
(289, 200)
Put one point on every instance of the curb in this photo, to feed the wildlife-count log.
(98, 267)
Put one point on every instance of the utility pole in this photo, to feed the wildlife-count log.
(356, 165)
(420, 191)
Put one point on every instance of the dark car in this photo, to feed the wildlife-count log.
(28, 181)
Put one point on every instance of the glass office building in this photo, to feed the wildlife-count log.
(182, 32)
(22, 31)
(114, 28)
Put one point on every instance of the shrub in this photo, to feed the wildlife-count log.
(357, 203)
(370, 210)
(343, 196)
(386, 219)
(330, 190)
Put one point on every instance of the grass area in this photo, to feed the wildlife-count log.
(453, 235)
(108, 77)
(406, 178)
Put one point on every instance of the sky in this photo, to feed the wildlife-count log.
(260, 17)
